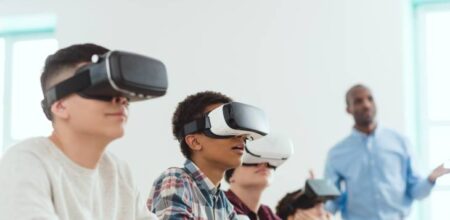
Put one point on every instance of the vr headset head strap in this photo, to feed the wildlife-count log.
(197, 125)
(74, 84)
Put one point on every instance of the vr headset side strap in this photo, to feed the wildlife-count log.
(77, 83)
(195, 126)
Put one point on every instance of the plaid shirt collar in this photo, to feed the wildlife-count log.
(202, 181)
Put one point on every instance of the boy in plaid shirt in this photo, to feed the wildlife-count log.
(193, 192)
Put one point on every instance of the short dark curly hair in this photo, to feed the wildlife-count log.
(284, 207)
(192, 108)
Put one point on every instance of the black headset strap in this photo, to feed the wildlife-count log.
(197, 125)
(74, 84)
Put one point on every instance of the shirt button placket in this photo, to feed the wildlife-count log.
(370, 150)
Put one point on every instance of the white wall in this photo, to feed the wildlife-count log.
(294, 58)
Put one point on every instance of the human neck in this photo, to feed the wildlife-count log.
(250, 196)
(367, 129)
(211, 170)
(83, 149)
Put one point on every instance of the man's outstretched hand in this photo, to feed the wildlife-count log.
(438, 172)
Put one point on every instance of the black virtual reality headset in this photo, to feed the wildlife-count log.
(272, 149)
(316, 191)
(229, 120)
(110, 75)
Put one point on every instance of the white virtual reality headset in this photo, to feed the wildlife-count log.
(272, 149)
(230, 120)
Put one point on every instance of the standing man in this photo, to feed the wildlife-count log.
(374, 167)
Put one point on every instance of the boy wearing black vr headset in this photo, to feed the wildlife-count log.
(212, 131)
(69, 175)
(297, 206)
(308, 203)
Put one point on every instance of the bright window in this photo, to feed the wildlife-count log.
(26, 88)
(25, 42)
(433, 81)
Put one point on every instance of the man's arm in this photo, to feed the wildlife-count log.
(25, 188)
(417, 186)
(332, 175)
(170, 199)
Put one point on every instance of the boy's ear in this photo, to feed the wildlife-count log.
(192, 142)
(59, 110)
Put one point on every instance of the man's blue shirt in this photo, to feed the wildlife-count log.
(376, 174)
